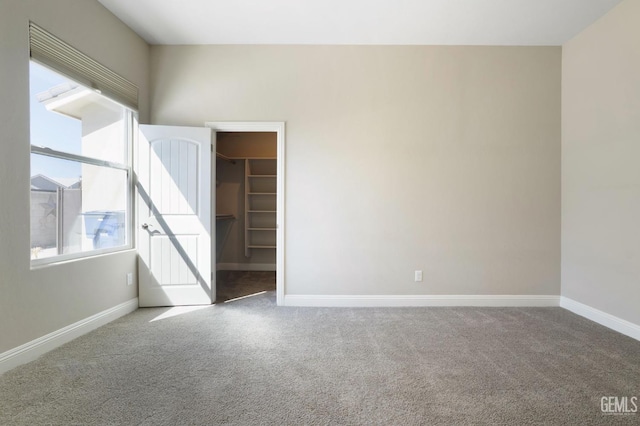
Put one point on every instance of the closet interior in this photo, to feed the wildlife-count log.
(246, 194)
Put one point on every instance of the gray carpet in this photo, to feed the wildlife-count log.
(249, 362)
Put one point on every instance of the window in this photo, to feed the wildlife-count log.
(80, 167)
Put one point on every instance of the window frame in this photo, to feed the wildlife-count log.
(131, 123)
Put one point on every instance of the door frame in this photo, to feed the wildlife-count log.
(279, 128)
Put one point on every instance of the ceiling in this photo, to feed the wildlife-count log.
(387, 22)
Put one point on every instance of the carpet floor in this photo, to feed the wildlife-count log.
(235, 284)
(249, 362)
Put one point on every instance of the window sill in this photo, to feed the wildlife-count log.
(65, 259)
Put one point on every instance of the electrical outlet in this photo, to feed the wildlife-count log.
(130, 278)
(418, 276)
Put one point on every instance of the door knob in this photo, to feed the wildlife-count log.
(145, 226)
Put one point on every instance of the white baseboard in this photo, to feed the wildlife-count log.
(420, 300)
(35, 348)
(610, 321)
(246, 267)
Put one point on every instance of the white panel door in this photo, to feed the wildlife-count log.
(175, 232)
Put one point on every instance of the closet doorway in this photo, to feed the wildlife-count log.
(249, 209)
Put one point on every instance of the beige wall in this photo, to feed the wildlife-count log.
(247, 144)
(601, 164)
(34, 303)
(445, 159)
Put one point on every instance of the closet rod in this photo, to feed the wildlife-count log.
(225, 158)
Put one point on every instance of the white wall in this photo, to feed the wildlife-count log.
(34, 303)
(601, 164)
(445, 159)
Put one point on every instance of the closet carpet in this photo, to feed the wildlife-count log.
(235, 284)
(248, 362)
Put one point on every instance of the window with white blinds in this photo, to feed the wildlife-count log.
(82, 121)
(55, 53)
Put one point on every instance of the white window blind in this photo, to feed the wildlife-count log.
(53, 52)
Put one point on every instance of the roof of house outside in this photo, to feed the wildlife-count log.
(45, 183)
